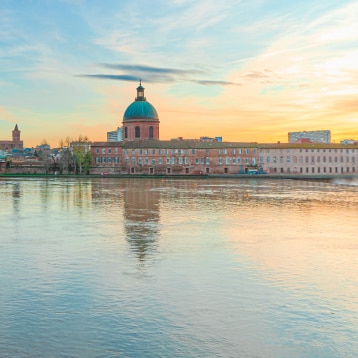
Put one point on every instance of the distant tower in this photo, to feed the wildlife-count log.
(16, 138)
(140, 120)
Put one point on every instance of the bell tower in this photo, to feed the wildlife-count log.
(16, 138)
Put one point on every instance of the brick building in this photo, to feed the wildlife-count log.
(142, 152)
(16, 142)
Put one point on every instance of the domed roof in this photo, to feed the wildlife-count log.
(140, 108)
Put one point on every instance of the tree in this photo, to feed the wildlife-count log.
(82, 154)
(44, 155)
(66, 157)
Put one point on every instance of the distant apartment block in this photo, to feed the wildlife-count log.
(115, 136)
(322, 136)
(349, 141)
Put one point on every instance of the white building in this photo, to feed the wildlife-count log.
(115, 136)
(322, 136)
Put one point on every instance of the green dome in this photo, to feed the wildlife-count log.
(140, 110)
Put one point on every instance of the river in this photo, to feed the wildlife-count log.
(178, 268)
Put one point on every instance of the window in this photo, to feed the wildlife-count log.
(247, 151)
(207, 161)
(181, 160)
(220, 160)
(173, 160)
(140, 161)
(227, 160)
(137, 132)
(133, 151)
(97, 150)
(193, 151)
(151, 135)
(103, 151)
(186, 160)
(146, 160)
(225, 151)
(153, 151)
(160, 161)
(151, 170)
(125, 132)
(153, 161)
(168, 160)
(115, 150)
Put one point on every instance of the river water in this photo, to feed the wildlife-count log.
(178, 268)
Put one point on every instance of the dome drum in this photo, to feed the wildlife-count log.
(140, 120)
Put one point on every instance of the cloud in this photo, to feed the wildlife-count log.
(155, 75)
(150, 69)
(112, 77)
(215, 83)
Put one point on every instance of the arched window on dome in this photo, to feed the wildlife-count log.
(151, 132)
(137, 132)
(125, 132)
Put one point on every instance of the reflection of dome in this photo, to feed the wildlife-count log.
(140, 110)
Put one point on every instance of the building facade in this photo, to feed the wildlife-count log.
(115, 136)
(16, 141)
(323, 136)
(141, 152)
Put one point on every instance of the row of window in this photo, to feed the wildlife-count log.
(318, 170)
(308, 159)
(169, 151)
(176, 160)
(137, 132)
(310, 150)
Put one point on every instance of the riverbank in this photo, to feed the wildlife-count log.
(326, 177)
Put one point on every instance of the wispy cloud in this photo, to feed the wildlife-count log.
(151, 69)
(155, 75)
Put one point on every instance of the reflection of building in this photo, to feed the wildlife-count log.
(141, 152)
(16, 142)
(323, 136)
(141, 216)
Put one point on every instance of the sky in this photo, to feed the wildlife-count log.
(245, 70)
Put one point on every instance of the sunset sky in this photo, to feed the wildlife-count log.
(249, 70)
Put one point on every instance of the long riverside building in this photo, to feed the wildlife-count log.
(141, 152)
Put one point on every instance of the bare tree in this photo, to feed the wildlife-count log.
(66, 156)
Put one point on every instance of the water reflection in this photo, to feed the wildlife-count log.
(141, 216)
